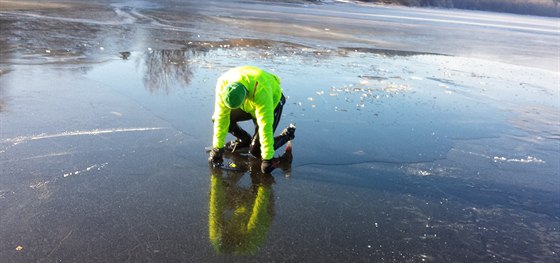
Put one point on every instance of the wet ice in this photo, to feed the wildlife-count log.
(399, 155)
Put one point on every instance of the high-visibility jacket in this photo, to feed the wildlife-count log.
(263, 94)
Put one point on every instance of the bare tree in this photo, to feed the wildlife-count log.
(167, 69)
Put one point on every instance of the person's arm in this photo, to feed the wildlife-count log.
(221, 121)
(265, 118)
(221, 126)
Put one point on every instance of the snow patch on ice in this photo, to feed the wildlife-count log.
(529, 159)
(89, 168)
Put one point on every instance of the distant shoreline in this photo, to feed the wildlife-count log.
(549, 8)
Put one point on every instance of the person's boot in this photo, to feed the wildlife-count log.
(286, 135)
(290, 132)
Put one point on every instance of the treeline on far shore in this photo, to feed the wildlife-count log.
(525, 7)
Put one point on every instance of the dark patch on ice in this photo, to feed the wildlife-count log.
(124, 55)
(235, 42)
(390, 52)
(372, 77)
(444, 81)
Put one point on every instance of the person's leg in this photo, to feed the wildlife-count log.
(286, 135)
(255, 147)
(235, 116)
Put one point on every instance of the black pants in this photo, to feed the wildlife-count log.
(238, 115)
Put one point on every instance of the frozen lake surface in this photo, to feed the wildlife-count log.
(422, 135)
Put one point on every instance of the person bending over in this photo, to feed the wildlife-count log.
(249, 93)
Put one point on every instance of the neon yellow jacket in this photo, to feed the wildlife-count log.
(263, 94)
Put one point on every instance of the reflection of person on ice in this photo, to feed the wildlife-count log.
(249, 93)
(239, 216)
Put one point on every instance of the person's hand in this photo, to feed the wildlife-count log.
(268, 166)
(216, 156)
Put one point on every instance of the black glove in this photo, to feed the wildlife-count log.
(216, 156)
(268, 166)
